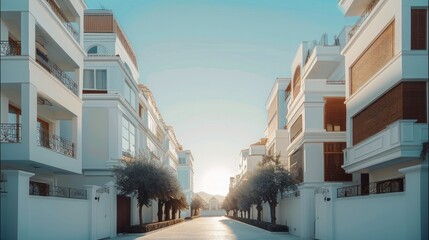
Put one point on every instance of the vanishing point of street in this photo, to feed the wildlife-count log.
(210, 228)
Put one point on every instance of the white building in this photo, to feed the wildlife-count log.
(185, 172)
(276, 132)
(249, 159)
(41, 119)
(386, 69)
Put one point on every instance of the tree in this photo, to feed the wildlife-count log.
(269, 179)
(178, 204)
(169, 188)
(139, 178)
(196, 204)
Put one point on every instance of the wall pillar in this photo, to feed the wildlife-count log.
(90, 189)
(113, 208)
(307, 212)
(416, 195)
(17, 202)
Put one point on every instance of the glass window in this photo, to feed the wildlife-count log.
(95, 79)
(93, 50)
(128, 138)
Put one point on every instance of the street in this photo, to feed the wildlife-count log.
(211, 228)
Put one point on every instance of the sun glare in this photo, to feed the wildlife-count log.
(216, 181)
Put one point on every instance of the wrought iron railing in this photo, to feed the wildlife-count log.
(362, 18)
(10, 132)
(55, 191)
(293, 194)
(57, 72)
(387, 186)
(67, 24)
(55, 143)
(9, 48)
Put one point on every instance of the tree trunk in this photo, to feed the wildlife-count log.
(160, 204)
(141, 214)
(259, 208)
(167, 211)
(180, 213)
(273, 212)
(248, 214)
(173, 212)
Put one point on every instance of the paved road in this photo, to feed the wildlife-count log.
(211, 228)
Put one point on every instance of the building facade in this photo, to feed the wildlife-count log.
(42, 59)
(185, 172)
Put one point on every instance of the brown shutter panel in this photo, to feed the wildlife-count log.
(418, 29)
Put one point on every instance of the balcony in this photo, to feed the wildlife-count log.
(56, 71)
(10, 48)
(10, 132)
(398, 142)
(369, 7)
(63, 19)
(55, 143)
(322, 58)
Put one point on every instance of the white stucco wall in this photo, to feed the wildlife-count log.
(58, 218)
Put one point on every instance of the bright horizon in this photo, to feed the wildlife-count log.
(211, 65)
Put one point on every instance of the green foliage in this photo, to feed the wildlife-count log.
(147, 179)
(196, 204)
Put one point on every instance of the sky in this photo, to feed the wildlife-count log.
(210, 65)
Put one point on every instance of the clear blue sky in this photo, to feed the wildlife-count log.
(211, 64)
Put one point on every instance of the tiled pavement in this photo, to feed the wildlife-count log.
(210, 228)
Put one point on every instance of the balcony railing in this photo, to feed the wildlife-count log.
(55, 143)
(9, 48)
(57, 72)
(10, 132)
(67, 24)
(362, 18)
(387, 186)
(55, 191)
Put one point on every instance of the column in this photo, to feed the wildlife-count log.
(29, 115)
(113, 208)
(17, 204)
(28, 35)
(90, 189)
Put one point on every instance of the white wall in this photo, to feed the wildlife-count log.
(58, 218)
(289, 214)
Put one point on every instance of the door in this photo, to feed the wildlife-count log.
(123, 213)
(103, 216)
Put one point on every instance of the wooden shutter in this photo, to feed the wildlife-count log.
(418, 29)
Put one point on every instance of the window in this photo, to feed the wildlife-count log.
(43, 128)
(152, 124)
(14, 115)
(182, 160)
(95, 79)
(418, 29)
(334, 159)
(128, 138)
(374, 58)
(129, 95)
(296, 81)
(96, 50)
(335, 115)
(296, 165)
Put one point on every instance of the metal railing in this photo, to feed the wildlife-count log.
(10, 132)
(387, 186)
(57, 72)
(8, 48)
(63, 19)
(55, 143)
(362, 18)
(55, 191)
(293, 194)
(334, 82)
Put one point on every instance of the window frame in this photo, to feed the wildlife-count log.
(94, 74)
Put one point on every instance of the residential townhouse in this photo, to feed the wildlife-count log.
(276, 132)
(315, 120)
(42, 60)
(185, 172)
(386, 69)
